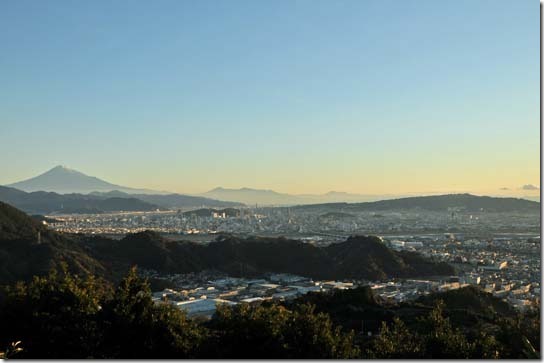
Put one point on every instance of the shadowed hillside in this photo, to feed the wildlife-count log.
(28, 248)
(359, 257)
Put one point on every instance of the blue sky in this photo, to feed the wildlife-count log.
(297, 96)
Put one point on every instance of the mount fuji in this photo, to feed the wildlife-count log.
(64, 180)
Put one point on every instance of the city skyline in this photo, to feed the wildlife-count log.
(297, 97)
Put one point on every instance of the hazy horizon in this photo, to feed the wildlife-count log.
(305, 97)
(526, 191)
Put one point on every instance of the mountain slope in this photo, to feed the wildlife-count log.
(253, 196)
(49, 202)
(462, 202)
(97, 202)
(63, 180)
(359, 257)
(269, 197)
(28, 248)
(172, 200)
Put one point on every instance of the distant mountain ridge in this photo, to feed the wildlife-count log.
(461, 202)
(64, 180)
(50, 202)
(172, 200)
(272, 198)
(352, 202)
(69, 191)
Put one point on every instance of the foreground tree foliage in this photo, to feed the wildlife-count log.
(436, 338)
(53, 316)
(65, 316)
(275, 332)
(396, 342)
(135, 327)
(440, 339)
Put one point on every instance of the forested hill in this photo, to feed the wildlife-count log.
(28, 248)
(462, 202)
(358, 258)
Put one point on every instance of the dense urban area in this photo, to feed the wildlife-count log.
(500, 252)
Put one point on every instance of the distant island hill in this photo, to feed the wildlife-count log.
(64, 190)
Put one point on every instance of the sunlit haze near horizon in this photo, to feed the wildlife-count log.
(370, 97)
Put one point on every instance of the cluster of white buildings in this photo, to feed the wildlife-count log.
(203, 300)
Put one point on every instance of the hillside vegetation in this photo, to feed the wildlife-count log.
(65, 316)
(361, 257)
(28, 248)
